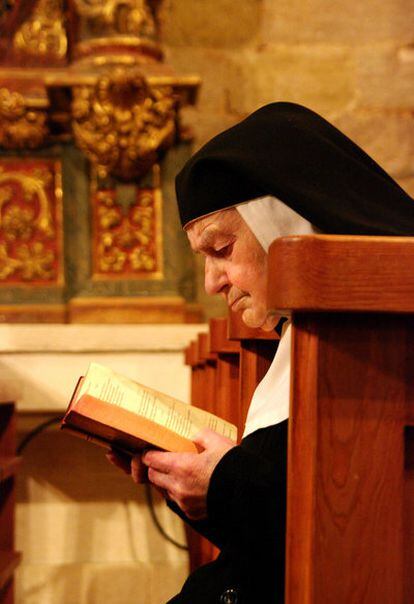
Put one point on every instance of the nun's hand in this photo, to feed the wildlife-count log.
(184, 477)
(129, 464)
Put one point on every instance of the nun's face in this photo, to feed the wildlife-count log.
(235, 265)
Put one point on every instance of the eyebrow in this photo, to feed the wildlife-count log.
(206, 239)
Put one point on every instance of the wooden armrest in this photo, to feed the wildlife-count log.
(219, 340)
(341, 273)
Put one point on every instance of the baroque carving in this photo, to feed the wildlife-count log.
(131, 17)
(29, 240)
(43, 34)
(122, 123)
(127, 244)
(20, 126)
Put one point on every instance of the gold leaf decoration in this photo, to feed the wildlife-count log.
(132, 17)
(20, 127)
(43, 34)
(122, 123)
(127, 245)
(30, 222)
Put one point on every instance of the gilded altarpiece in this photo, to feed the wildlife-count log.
(90, 141)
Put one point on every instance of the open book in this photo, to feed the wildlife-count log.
(116, 412)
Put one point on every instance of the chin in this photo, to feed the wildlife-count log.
(270, 324)
(262, 320)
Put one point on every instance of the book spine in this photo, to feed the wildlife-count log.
(89, 437)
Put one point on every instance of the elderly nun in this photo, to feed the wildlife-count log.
(284, 170)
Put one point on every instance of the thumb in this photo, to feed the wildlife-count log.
(207, 439)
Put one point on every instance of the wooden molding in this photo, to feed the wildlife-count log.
(219, 340)
(33, 313)
(127, 310)
(342, 273)
(105, 310)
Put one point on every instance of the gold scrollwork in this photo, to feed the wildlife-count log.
(126, 243)
(27, 229)
(43, 33)
(20, 127)
(132, 17)
(122, 123)
(17, 221)
(8, 265)
(33, 261)
(36, 261)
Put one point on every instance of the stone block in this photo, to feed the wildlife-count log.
(388, 136)
(215, 68)
(86, 534)
(205, 124)
(319, 77)
(337, 22)
(210, 23)
(117, 583)
(71, 516)
(237, 82)
(385, 77)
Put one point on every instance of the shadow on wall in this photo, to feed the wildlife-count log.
(86, 533)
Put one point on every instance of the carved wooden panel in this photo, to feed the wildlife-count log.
(30, 222)
(127, 240)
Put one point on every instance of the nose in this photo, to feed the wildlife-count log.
(215, 276)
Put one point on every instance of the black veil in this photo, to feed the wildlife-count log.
(292, 153)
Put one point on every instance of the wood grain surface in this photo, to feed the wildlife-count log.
(334, 273)
(351, 488)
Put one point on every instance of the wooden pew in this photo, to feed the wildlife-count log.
(226, 365)
(350, 533)
(228, 372)
(257, 350)
(9, 464)
(203, 365)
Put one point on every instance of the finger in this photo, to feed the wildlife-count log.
(207, 438)
(161, 461)
(138, 470)
(123, 462)
(159, 479)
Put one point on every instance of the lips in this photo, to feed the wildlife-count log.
(237, 303)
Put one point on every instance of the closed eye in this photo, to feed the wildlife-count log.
(224, 251)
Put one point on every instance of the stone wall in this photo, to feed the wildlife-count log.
(84, 529)
(351, 62)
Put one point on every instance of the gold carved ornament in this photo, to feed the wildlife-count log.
(132, 17)
(43, 34)
(127, 245)
(20, 127)
(24, 253)
(122, 123)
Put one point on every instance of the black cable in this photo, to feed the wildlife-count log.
(150, 502)
(55, 420)
(30, 435)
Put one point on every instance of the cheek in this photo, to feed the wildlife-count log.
(258, 281)
(249, 273)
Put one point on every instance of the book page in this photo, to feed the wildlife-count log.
(186, 420)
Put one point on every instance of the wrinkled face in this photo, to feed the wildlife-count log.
(235, 265)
